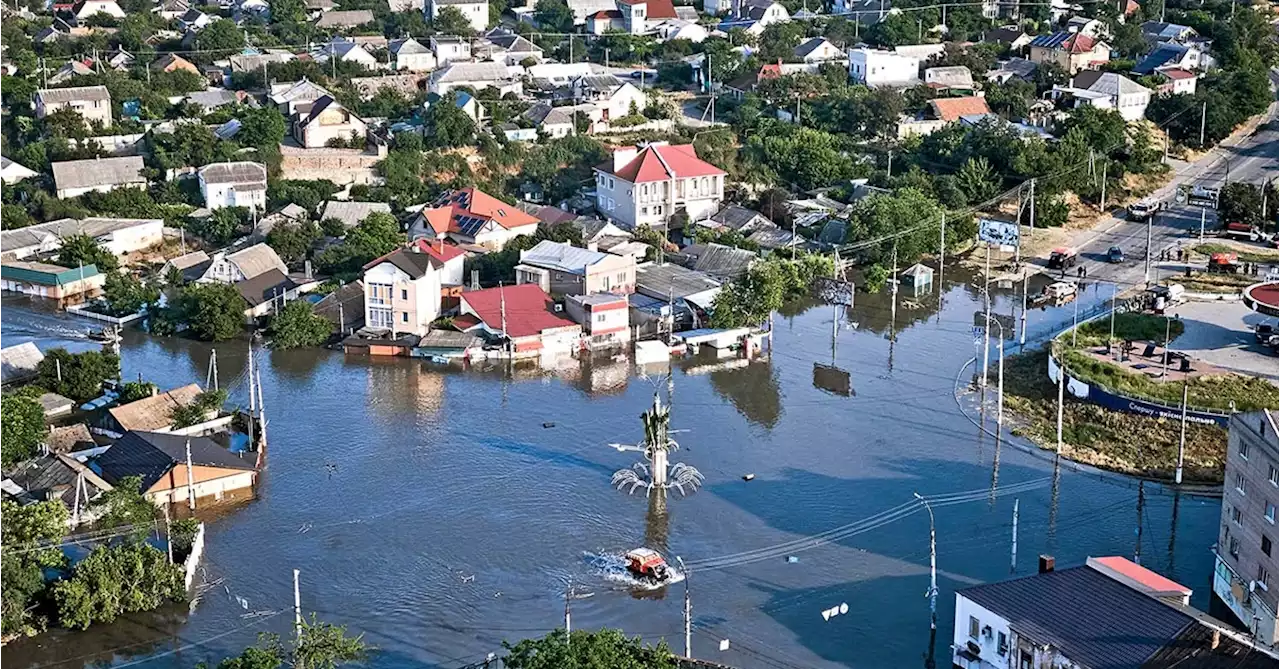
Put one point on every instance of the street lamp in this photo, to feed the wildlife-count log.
(932, 593)
(999, 377)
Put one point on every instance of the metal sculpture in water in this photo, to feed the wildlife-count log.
(656, 473)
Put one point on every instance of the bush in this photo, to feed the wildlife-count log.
(182, 535)
(297, 325)
(213, 311)
(22, 428)
(126, 578)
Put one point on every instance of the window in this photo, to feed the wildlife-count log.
(1236, 515)
(1266, 545)
(1271, 513)
(1002, 643)
(1244, 449)
(1240, 482)
(380, 318)
(973, 627)
(1025, 661)
(1264, 577)
(1234, 548)
(658, 210)
(611, 182)
(404, 317)
(379, 294)
(644, 211)
(404, 293)
(1272, 475)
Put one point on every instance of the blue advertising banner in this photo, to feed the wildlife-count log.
(1109, 400)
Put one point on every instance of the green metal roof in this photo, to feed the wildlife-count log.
(45, 274)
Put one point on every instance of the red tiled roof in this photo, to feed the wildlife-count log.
(464, 322)
(1178, 73)
(1131, 7)
(667, 161)
(1079, 43)
(530, 310)
(770, 71)
(474, 202)
(661, 9)
(607, 14)
(440, 250)
(951, 109)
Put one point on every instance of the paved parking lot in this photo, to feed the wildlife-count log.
(1221, 333)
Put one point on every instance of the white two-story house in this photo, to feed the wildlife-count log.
(874, 67)
(324, 120)
(475, 11)
(402, 290)
(646, 185)
(238, 184)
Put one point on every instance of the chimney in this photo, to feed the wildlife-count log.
(1217, 639)
(1046, 564)
(623, 156)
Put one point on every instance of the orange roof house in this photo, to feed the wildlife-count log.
(471, 216)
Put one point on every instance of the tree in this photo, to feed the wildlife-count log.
(319, 645)
(1240, 202)
(893, 30)
(80, 250)
(200, 409)
(25, 529)
(292, 242)
(213, 311)
(264, 126)
(767, 285)
(132, 391)
(221, 36)
(124, 578)
(297, 325)
(125, 294)
(977, 180)
(124, 506)
(222, 226)
(603, 648)
(451, 21)
(449, 125)
(22, 426)
(76, 375)
(554, 15)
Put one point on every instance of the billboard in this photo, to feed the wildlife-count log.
(1005, 234)
(833, 291)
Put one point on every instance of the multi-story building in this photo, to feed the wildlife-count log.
(475, 11)
(238, 184)
(874, 67)
(605, 318)
(1070, 51)
(1244, 572)
(647, 185)
(402, 290)
(93, 103)
(326, 121)
(562, 269)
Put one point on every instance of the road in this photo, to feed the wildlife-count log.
(1251, 158)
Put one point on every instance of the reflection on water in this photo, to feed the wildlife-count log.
(429, 507)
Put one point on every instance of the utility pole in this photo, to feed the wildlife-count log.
(57, 366)
(1204, 115)
(1062, 380)
(1000, 389)
(568, 623)
(688, 615)
(986, 326)
(942, 253)
(502, 300)
(1075, 316)
(253, 404)
(1204, 213)
(932, 593)
(889, 167)
(191, 483)
(297, 607)
(1013, 553)
(1103, 204)
(606, 57)
(1137, 545)
(1022, 338)
(168, 534)
(1147, 278)
(1111, 338)
(1182, 438)
(211, 378)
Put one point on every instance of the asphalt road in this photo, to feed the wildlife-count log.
(1251, 158)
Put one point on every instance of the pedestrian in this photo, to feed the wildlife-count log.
(1179, 255)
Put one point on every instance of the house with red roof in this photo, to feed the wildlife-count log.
(524, 315)
(647, 185)
(471, 216)
(1070, 51)
(403, 289)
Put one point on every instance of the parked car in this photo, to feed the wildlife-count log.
(1264, 332)
(1115, 254)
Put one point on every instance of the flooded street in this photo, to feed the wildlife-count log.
(434, 512)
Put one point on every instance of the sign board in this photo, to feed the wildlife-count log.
(833, 380)
(833, 291)
(1005, 320)
(1197, 196)
(1005, 234)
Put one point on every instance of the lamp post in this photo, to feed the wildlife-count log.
(932, 593)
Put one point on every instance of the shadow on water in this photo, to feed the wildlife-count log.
(752, 387)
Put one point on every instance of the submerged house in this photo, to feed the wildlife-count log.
(160, 460)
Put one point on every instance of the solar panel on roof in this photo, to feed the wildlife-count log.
(470, 225)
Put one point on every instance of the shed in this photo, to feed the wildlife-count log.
(55, 404)
(18, 363)
(918, 276)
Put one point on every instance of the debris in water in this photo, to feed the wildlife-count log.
(748, 477)
(468, 579)
(791, 559)
(548, 425)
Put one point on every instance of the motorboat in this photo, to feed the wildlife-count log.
(646, 563)
(107, 335)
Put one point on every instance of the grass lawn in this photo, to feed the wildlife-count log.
(1243, 256)
(1132, 326)
(1206, 282)
(1215, 392)
(1112, 440)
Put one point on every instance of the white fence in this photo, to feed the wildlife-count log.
(193, 560)
(83, 310)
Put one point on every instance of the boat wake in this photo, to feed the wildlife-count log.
(612, 567)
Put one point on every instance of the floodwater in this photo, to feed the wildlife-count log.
(432, 511)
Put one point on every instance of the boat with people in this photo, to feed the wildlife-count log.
(106, 335)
